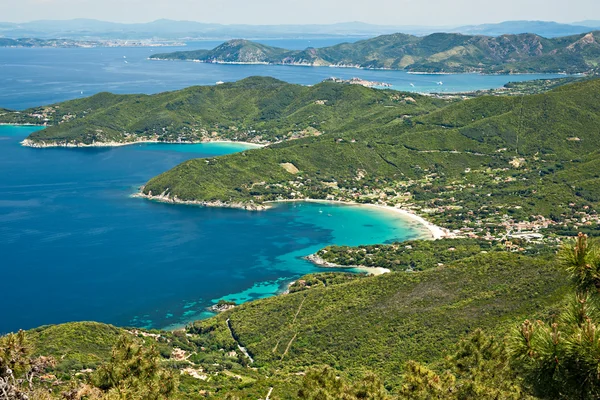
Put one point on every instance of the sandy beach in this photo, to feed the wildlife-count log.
(29, 143)
(373, 270)
(436, 231)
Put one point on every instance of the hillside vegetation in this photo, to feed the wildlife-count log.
(476, 164)
(439, 52)
(380, 323)
(256, 109)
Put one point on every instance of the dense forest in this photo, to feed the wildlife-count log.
(256, 109)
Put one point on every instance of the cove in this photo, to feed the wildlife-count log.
(76, 246)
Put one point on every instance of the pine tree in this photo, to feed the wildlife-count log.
(561, 359)
(18, 368)
(134, 373)
(325, 384)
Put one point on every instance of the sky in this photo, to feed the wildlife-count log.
(258, 12)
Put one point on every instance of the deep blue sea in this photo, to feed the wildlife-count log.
(33, 77)
(74, 244)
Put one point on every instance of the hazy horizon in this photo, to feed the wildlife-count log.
(284, 24)
(307, 12)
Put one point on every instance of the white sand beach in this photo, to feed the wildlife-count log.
(30, 143)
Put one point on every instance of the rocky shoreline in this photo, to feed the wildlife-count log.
(165, 198)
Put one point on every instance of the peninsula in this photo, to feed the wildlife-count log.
(435, 53)
(256, 110)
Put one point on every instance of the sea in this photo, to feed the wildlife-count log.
(75, 245)
(39, 76)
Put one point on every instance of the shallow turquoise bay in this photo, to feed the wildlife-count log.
(88, 251)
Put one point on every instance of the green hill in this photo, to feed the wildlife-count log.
(255, 109)
(496, 158)
(381, 322)
(439, 52)
(242, 51)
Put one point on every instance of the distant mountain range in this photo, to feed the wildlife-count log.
(169, 29)
(435, 53)
(590, 23)
(542, 28)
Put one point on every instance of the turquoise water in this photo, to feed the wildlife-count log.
(76, 246)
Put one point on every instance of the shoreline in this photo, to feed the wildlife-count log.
(7, 124)
(163, 198)
(321, 263)
(29, 143)
(435, 232)
(357, 66)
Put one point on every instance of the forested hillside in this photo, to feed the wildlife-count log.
(439, 52)
(496, 159)
(256, 109)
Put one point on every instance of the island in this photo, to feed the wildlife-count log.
(463, 164)
(435, 53)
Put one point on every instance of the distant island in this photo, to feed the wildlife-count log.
(71, 43)
(435, 53)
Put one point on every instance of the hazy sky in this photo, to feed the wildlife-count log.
(391, 12)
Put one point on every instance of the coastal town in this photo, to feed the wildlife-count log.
(85, 44)
(460, 208)
(359, 81)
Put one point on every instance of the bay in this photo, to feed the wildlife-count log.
(75, 245)
(40, 76)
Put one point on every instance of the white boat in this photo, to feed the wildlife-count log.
(220, 83)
